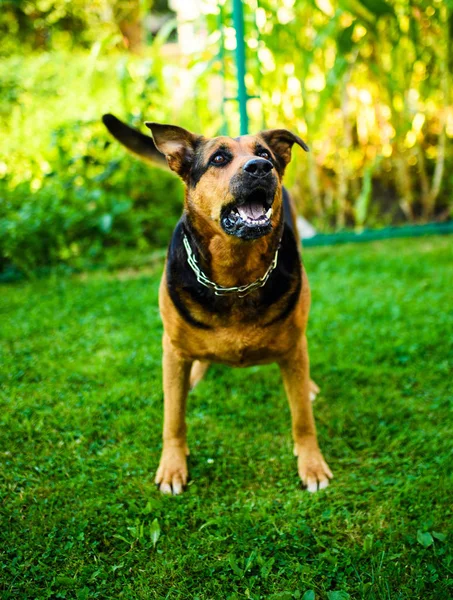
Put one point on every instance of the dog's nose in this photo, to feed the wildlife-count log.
(258, 167)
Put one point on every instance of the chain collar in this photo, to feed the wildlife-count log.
(219, 290)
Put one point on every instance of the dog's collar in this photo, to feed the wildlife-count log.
(219, 290)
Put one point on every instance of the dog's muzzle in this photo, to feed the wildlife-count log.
(249, 215)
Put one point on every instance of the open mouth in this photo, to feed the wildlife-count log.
(249, 218)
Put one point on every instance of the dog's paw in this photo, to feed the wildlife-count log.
(313, 469)
(171, 476)
(197, 372)
(314, 390)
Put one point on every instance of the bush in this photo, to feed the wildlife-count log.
(69, 193)
(85, 204)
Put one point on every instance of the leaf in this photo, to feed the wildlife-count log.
(356, 8)
(338, 595)
(123, 539)
(439, 536)
(345, 42)
(309, 595)
(148, 508)
(266, 568)
(83, 594)
(154, 531)
(424, 538)
(165, 32)
(250, 560)
(234, 566)
(116, 567)
(368, 543)
(208, 523)
(378, 7)
(133, 531)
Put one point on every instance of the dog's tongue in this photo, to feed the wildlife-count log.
(251, 210)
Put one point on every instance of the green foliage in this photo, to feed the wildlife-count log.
(81, 416)
(67, 192)
(101, 201)
(59, 23)
(366, 82)
(66, 223)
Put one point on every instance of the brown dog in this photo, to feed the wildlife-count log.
(234, 289)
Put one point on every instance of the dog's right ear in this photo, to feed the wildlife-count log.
(135, 141)
(177, 145)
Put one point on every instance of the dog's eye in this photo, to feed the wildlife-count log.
(219, 159)
(264, 154)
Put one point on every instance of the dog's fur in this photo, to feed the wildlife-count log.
(267, 325)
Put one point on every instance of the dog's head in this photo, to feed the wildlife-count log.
(233, 184)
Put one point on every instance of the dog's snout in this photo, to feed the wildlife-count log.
(258, 167)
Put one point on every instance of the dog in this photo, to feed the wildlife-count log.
(234, 289)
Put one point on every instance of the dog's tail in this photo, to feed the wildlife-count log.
(135, 141)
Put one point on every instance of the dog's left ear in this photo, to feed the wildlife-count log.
(280, 141)
(177, 144)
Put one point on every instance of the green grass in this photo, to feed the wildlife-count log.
(81, 425)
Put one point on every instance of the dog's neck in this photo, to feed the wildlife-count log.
(229, 261)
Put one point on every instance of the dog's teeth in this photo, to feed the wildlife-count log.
(269, 213)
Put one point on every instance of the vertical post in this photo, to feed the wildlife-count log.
(224, 127)
(238, 20)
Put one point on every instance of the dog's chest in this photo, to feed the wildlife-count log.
(237, 347)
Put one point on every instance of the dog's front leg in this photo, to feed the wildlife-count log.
(312, 467)
(171, 475)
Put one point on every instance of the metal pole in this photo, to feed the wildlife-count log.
(238, 20)
(224, 127)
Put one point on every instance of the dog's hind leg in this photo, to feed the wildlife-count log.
(197, 372)
(312, 467)
(172, 474)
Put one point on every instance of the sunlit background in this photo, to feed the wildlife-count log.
(367, 83)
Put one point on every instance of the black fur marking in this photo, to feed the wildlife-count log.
(180, 277)
(288, 215)
(199, 166)
(290, 304)
(292, 260)
(276, 160)
(287, 273)
(187, 161)
(222, 149)
(280, 165)
(181, 280)
(259, 148)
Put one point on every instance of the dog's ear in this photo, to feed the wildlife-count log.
(135, 141)
(280, 141)
(177, 144)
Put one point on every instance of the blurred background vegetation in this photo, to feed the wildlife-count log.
(367, 83)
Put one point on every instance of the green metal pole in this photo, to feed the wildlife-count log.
(224, 127)
(238, 20)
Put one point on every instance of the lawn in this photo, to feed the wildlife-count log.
(81, 409)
